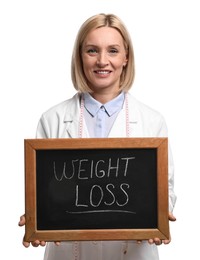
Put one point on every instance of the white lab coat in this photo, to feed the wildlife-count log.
(62, 121)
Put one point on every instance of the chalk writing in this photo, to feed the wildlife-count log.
(101, 194)
(96, 168)
(97, 211)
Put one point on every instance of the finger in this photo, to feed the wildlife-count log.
(36, 243)
(166, 242)
(57, 243)
(151, 241)
(26, 244)
(171, 217)
(42, 243)
(158, 241)
(22, 221)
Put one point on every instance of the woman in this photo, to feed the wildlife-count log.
(102, 73)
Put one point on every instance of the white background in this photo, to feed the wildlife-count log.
(36, 40)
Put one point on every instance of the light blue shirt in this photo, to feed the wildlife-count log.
(99, 117)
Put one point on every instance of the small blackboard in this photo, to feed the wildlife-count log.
(96, 189)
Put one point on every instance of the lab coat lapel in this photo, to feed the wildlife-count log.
(120, 124)
(72, 119)
(73, 129)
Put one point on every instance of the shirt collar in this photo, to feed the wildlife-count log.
(111, 107)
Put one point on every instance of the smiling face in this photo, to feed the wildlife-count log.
(104, 56)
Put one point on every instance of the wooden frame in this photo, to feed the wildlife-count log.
(33, 145)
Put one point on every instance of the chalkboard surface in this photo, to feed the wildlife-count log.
(96, 189)
(78, 189)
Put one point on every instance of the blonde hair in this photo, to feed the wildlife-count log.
(101, 20)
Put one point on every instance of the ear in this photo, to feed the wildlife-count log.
(125, 62)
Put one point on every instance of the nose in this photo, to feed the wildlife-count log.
(102, 60)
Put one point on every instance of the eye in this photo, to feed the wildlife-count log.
(113, 51)
(92, 51)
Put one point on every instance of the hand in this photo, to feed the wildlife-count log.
(21, 223)
(158, 241)
(36, 243)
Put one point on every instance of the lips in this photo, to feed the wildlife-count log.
(102, 72)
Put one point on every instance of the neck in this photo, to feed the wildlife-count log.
(105, 97)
